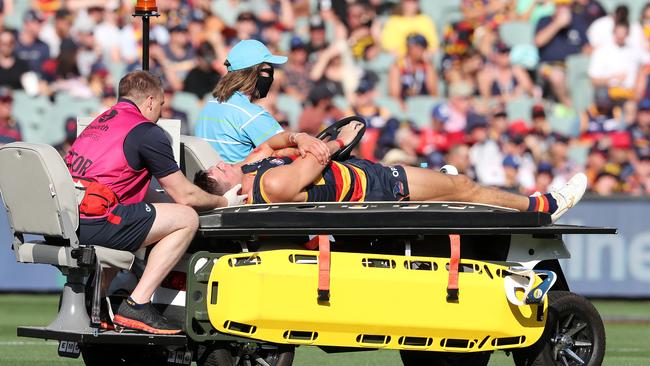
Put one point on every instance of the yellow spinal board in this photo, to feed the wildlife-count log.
(376, 301)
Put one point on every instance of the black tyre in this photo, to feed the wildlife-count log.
(574, 335)
(237, 354)
(426, 358)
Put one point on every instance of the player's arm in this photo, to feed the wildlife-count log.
(284, 183)
(182, 191)
(299, 143)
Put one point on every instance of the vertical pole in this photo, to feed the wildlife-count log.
(145, 42)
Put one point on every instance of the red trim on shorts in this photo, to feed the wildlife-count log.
(114, 219)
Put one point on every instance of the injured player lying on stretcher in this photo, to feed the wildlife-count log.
(281, 174)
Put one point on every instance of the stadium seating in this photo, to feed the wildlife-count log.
(516, 33)
(578, 82)
(34, 115)
(519, 108)
(189, 104)
(392, 105)
(418, 109)
(291, 106)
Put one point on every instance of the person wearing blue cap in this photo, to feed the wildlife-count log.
(232, 123)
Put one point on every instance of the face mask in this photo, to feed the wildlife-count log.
(264, 82)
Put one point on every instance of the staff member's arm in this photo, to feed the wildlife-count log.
(182, 191)
(146, 146)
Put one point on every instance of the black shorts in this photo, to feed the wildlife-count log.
(385, 183)
(124, 229)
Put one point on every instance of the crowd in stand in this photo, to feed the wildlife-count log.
(374, 58)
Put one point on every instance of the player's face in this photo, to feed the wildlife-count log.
(226, 173)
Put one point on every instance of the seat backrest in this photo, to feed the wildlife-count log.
(37, 189)
(197, 155)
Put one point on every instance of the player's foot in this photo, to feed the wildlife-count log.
(143, 317)
(569, 195)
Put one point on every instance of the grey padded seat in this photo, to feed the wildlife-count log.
(40, 199)
(197, 154)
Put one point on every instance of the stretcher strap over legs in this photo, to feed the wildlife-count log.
(323, 268)
(454, 260)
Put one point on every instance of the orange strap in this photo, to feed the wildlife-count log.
(313, 243)
(454, 260)
(323, 268)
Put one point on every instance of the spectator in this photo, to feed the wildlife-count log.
(29, 47)
(246, 27)
(607, 184)
(169, 112)
(180, 57)
(596, 161)
(11, 68)
(407, 20)
(640, 130)
(458, 108)
(533, 10)
(335, 70)
(9, 127)
(363, 33)
(563, 167)
(55, 33)
(202, 79)
(500, 79)
(601, 117)
(515, 145)
(543, 178)
(434, 141)
(640, 182)
(557, 37)
(296, 70)
(602, 31)
(319, 113)
(229, 10)
(407, 140)
(484, 152)
(458, 156)
(413, 74)
(317, 37)
(614, 65)
(511, 173)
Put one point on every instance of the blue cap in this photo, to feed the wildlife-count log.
(511, 161)
(249, 53)
(441, 112)
(644, 104)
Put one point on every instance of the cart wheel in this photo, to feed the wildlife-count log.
(253, 354)
(428, 358)
(574, 335)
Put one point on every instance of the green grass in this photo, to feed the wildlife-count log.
(627, 342)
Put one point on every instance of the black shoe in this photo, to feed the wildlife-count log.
(145, 318)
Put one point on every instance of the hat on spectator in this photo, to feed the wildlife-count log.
(511, 162)
(297, 43)
(416, 39)
(246, 15)
(460, 89)
(6, 94)
(475, 121)
(440, 112)
(644, 104)
(545, 167)
(501, 47)
(316, 22)
(63, 13)
(178, 28)
(499, 113)
(33, 16)
(538, 111)
(620, 140)
(318, 93)
(519, 127)
(249, 53)
(558, 137)
(367, 82)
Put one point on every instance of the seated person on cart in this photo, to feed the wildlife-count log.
(277, 172)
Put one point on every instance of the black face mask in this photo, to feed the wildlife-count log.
(264, 82)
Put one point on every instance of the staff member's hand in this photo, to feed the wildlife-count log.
(309, 144)
(233, 196)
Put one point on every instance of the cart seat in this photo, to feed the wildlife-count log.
(40, 199)
(196, 155)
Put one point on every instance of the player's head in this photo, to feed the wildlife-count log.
(219, 178)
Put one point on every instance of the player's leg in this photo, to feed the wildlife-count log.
(429, 185)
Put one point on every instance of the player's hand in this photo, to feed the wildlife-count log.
(233, 197)
(309, 144)
(350, 131)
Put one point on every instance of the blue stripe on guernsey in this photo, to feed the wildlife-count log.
(234, 128)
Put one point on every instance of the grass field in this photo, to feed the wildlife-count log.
(627, 326)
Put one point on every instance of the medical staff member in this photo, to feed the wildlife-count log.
(232, 123)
